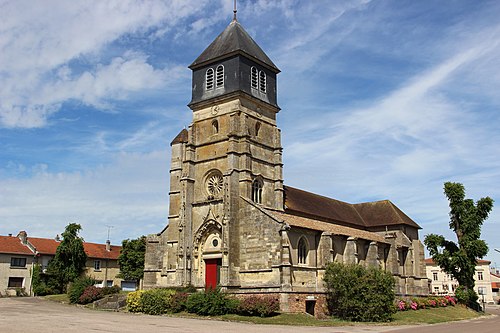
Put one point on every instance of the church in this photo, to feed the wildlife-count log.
(233, 223)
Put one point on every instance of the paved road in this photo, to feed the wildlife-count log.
(32, 315)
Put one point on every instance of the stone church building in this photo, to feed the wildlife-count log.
(233, 223)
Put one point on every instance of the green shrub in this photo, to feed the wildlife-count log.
(211, 303)
(134, 301)
(359, 294)
(90, 294)
(77, 287)
(110, 290)
(177, 302)
(467, 297)
(156, 301)
(263, 306)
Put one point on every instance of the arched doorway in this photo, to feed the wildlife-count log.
(212, 257)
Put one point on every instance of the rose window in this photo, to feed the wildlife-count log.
(215, 184)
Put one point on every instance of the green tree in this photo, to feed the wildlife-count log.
(459, 259)
(69, 261)
(131, 259)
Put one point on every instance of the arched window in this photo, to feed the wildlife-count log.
(302, 251)
(257, 191)
(215, 127)
(262, 81)
(254, 78)
(209, 79)
(257, 129)
(219, 79)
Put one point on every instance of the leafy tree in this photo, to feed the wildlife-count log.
(459, 259)
(131, 259)
(69, 261)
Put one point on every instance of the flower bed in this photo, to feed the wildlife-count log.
(417, 303)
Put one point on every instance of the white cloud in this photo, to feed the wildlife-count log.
(38, 39)
(46, 202)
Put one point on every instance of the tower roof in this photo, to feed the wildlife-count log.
(234, 40)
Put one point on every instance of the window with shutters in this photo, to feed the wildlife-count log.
(209, 79)
(219, 76)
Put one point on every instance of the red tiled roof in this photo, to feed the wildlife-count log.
(94, 250)
(430, 261)
(13, 245)
(44, 245)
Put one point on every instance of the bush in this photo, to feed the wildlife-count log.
(110, 290)
(467, 297)
(359, 294)
(178, 302)
(90, 294)
(417, 303)
(258, 306)
(211, 303)
(77, 287)
(21, 292)
(156, 301)
(134, 301)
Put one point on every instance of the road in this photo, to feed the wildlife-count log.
(33, 315)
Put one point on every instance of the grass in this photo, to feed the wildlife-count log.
(61, 298)
(435, 315)
(426, 316)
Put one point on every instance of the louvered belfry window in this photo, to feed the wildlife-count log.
(219, 73)
(209, 79)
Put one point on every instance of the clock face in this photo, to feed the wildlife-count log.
(215, 184)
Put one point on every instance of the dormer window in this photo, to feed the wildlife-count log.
(209, 79)
(254, 78)
(262, 81)
(219, 80)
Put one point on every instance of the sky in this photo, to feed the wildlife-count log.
(379, 100)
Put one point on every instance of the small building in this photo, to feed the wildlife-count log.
(442, 283)
(16, 261)
(22, 252)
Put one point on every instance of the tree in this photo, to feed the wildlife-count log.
(459, 259)
(69, 261)
(131, 259)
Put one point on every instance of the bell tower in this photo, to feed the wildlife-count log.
(231, 152)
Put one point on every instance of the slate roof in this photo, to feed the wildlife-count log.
(182, 137)
(233, 40)
(363, 215)
(13, 245)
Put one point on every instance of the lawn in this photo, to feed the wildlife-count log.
(435, 315)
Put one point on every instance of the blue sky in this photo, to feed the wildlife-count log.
(380, 100)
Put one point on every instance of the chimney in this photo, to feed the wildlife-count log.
(108, 245)
(10, 235)
(23, 236)
(57, 238)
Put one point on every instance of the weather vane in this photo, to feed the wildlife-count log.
(234, 11)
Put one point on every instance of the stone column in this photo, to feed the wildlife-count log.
(286, 273)
(350, 252)
(372, 255)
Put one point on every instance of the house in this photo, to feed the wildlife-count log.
(233, 223)
(444, 284)
(102, 261)
(495, 285)
(16, 261)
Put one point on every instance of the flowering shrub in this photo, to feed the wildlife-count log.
(90, 294)
(423, 303)
(258, 306)
(156, 301)
(134, 301)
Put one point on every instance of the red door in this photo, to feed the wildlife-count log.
(211, 273)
